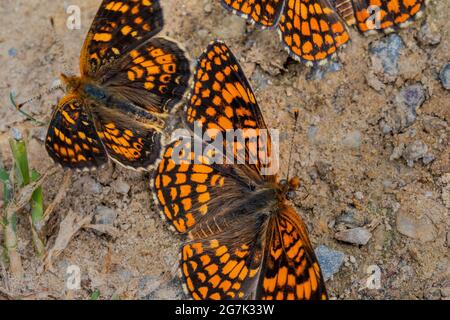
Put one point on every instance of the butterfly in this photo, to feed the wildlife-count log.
(130, 81)
(245, 240)
(313, 30)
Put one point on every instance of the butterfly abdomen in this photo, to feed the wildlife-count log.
(346, 11)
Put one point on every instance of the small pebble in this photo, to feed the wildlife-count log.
(121, 186)
(207, 8)
(428, 158)
(12, 52)
(319, 72)
(414, 151)
(386, 52)
(421, 229)
(330, 260)
(352, 140)
(359, 195)
(444, 75)
(105, 215)
(429, 36)
(358, 236)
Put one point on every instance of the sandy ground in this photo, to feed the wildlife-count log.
(354, 174)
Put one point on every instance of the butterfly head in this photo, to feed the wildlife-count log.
(288, 187)
(71, 83)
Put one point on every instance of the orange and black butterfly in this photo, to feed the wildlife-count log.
(129, 82)
(246, 241)
(313, 30)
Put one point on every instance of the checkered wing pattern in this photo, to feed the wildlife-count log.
(118, 27)
(264, 13)
(290, 269)
(311, 30)
(72, 139)
(222, 101)
(385, 14)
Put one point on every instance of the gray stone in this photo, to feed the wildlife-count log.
(358, 236)
(120, 186)
(428, 158)
(330, 260)
(91, 186)
(414, 151)
(386, 52)
(421, 229)
(445, 292)
(428, 36)
(403, 112)
(312, 133)
(319, 72)
(397, 152)
(352, 140)
(412, 96)
(105, 215)
(12, 52)
(444, 75)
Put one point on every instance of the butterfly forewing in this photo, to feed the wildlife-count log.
(118, 27)
(222, 100)
(153, 76)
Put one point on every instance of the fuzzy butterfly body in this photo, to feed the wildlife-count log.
(130, 80)
(313, 30)
(246, 241)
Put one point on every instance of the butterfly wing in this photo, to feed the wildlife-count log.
(386, 14)
(224, 265)
(222, 100)
(153, 76)
(290, 269)
(118, 27)
(130, 136)
(191, 189)
(311, 30)
(71, 137)
(264, 13)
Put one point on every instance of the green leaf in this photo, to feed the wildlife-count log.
(19, 151)
(95, 295)
(37, 203)
(4, 176)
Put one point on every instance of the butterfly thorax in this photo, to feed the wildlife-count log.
(106, 101)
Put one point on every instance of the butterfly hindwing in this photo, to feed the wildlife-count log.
(118, 27)
(264, 13)
(130, 136)
(311, 30)
(224, 265)
(384, 15)
(290, 269)
(72, 139)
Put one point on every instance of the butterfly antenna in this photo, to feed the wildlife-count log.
(294, 131)
(25, 114)
(60, 45)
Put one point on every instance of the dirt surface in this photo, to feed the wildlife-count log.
(361, 165)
